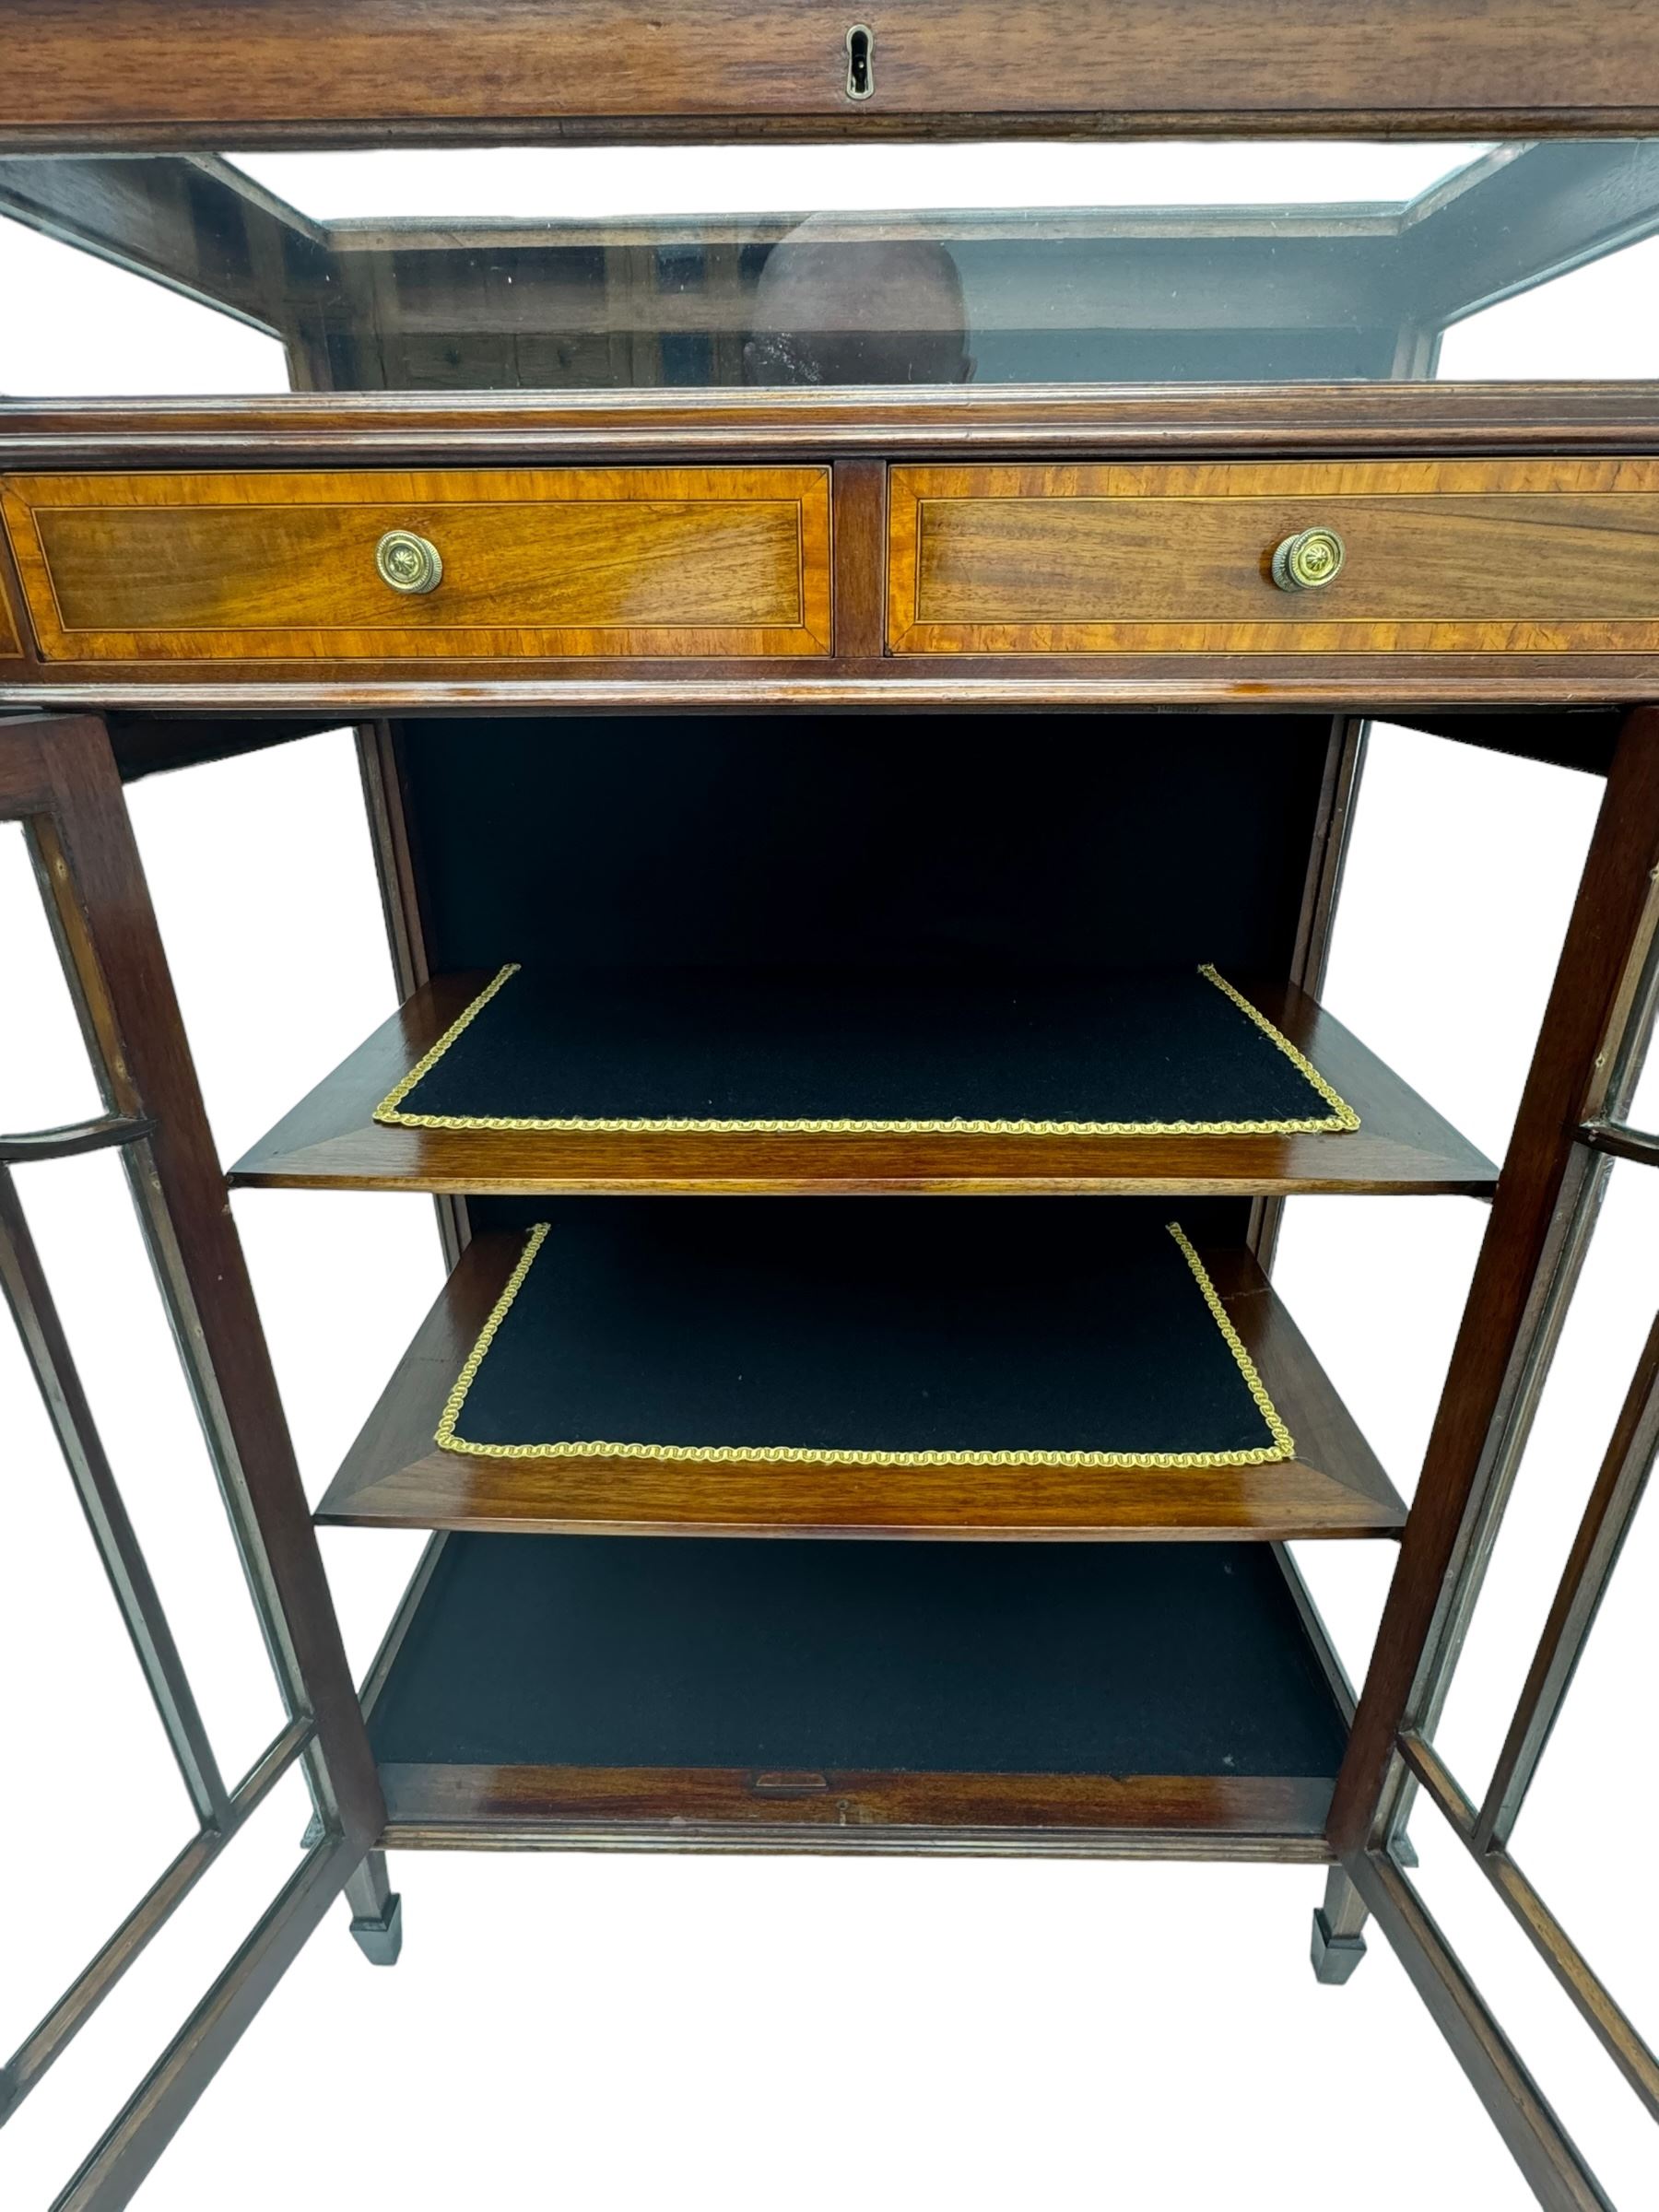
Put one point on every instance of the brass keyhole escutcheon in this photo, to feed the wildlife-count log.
(1307, 561)
(861, 63)
(408, 562)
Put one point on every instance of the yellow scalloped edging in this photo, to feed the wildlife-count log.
(1342, 1116)
(1283, 1446)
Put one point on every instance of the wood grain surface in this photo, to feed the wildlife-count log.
(331, 1140)
(695, 561)
(1341, 429)
(395, 1475)
(104, 75)
(1499, 556)
(711, 1807)
(726, 423)
(1383, 686)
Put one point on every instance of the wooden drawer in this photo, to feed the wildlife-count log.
(1533, 557)
(536, 563)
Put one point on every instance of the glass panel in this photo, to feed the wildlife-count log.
(86, 1755)
(1589, 2098)
(1597, 1783)
(1462, 869)
(1642, 1112)
(596, 267)
(598, 183)
(46, 1078)
(50, 2134)
(344, 1281)
(94, 1255)
(1461, 866)
(1593, 321)
(1600, 1344)
(77, 326)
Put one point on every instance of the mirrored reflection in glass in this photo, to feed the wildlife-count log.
(682, 267)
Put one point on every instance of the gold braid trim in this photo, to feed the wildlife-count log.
(1342, 1114)
(1283, 1444)
(387, 1109)
(1282, 1448)
(446, 1436)
(1341, 1117)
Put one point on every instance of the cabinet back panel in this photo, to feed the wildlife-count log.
(926, 840)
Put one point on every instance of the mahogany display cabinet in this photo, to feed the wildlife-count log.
(860, 711)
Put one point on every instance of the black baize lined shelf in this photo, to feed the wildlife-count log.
(1092, 1053)
(833, 954)
(862, 1333)
(679, 963)
(645, 1687)
(928, 1657)
(689, 1365)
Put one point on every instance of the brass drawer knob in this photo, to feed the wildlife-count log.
(408, 563)
(1309, 560)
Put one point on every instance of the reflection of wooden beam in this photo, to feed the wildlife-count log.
(175, 220)
(1519, 218)
(146, 744)
(1260, 282)
(203, 229)
(1582, 738)
(1040, 226)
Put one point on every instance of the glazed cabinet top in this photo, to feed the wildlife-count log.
(1346, 580)
(1133, 418)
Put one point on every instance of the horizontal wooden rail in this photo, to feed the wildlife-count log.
(1431, 1772)
(77, 2003)
(99, 1135)
(1621, 1142)
(1610, 2024)
(146, 2124)
(1540, 2146)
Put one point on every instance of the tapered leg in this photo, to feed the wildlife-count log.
(1338, 1943)
(376, 1911)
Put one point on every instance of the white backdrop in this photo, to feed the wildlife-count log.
(623, 2032)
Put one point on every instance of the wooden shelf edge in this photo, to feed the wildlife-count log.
(331, 1141)
(394, 1476)
(443, 1807)
(501, 1725)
